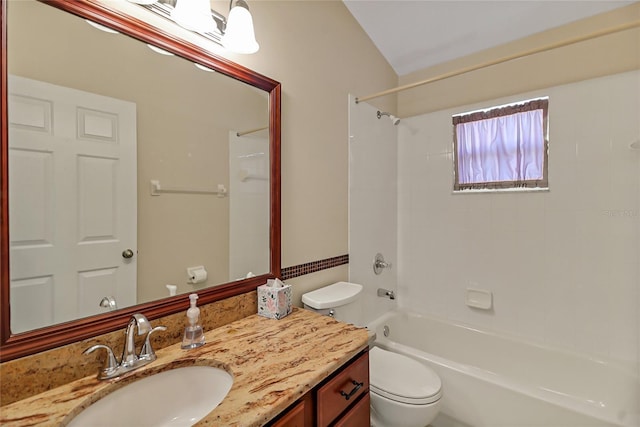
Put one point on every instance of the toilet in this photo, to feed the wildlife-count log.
(340, 300)
(404, 392)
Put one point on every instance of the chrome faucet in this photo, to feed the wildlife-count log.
(386, 293)
(129, 360)
(139, 322)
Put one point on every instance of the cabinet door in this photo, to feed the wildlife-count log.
(293, 418)
(358, 416)
(341, 391)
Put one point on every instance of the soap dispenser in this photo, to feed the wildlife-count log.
(193, 334)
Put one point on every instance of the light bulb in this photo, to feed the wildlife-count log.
(194, 15)
(239, 36)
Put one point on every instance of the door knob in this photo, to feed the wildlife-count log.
(127, 253)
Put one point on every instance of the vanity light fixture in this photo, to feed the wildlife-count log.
(235, 33)
(239, 35)
(194, 15)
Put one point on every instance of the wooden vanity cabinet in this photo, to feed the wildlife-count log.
(341, 400)
(337, 395)
(300, 414)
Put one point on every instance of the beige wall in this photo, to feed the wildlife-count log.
(320, 54)
(597, 57)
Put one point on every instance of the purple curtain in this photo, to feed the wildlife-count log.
(505, 148)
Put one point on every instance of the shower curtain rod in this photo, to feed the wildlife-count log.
(247, 132)
(552, 46)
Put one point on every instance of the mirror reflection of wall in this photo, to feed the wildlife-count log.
(184, 117)
(249, 185)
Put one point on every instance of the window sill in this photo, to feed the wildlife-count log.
(501, 190)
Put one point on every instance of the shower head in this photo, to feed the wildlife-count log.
(393, 118)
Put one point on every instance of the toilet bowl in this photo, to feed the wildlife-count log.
(404, 392)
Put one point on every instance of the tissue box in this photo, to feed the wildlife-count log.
(274, 299)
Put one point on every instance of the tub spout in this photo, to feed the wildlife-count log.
(386, 293)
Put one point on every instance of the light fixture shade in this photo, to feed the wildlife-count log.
(194, 15)
(239, 36)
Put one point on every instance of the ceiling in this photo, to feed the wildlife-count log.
(417, 34)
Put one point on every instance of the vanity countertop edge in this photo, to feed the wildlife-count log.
(273, 362)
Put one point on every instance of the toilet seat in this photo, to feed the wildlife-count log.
(402, 379)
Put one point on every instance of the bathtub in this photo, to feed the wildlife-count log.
(492, 380)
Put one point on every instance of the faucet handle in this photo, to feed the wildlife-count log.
(379, 263)
(147, 352)
(111, 364)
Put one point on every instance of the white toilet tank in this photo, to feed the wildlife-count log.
(340, 300)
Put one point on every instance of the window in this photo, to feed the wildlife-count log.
(502, 148)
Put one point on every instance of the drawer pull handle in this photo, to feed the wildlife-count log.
(357, 387)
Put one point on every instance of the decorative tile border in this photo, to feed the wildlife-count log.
(312, 267)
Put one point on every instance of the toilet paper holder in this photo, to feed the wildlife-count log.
(196, 274)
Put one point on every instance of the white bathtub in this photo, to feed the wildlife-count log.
(496, 381)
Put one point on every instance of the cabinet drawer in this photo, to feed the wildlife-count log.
(358, 416)
(341, 391)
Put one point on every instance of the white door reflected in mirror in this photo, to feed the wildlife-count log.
(72, 202)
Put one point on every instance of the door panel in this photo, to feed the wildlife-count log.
(73, 202)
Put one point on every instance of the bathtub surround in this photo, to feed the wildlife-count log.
(567, 273)
(372, 205)
(562, 264)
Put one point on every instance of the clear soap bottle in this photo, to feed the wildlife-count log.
(193, 333)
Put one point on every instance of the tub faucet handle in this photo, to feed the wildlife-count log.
(380, 264)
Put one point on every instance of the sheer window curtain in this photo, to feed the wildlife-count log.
(502, 148)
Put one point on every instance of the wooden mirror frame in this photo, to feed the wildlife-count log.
(23, 344)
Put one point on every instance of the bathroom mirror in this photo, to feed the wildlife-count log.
(193, 180)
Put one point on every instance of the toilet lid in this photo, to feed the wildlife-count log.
(403, 379)
(332, 296)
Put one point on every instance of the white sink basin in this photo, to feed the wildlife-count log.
(177, 397)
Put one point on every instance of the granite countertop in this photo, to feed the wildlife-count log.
(273, 362)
